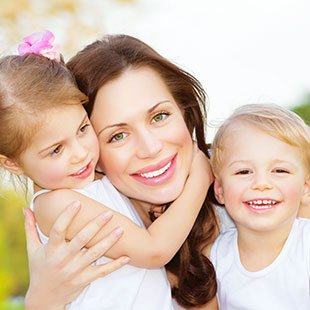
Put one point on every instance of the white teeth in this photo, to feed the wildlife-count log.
(79, 172)
(262, 204)
(156, 173)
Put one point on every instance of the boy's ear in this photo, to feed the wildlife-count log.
(218, 191)
(10, 165)
(307, 185)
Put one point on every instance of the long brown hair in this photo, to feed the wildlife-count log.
(105, 60)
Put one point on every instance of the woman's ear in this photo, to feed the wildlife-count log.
(10, 165)
(218, 191)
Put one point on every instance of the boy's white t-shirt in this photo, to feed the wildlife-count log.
(283, 285)
(129, 287)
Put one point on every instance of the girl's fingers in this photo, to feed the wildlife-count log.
(32, 237)
(101, 247)
(89, 231)
(59, 229)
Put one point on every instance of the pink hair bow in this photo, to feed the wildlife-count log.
(40, 45)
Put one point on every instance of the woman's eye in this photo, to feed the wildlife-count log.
(83, 128)
(159, 117)
(118, 137)
(56, 150)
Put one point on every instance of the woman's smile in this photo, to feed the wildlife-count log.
(157, 174)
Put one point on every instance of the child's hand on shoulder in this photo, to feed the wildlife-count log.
(201, 170)
(304, 209)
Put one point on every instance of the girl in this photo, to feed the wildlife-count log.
(51, 140)
(261, 161)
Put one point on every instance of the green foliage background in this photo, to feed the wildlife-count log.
(13, 258)
(303, 110)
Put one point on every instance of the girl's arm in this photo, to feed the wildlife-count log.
(58, 269)
(148, 248)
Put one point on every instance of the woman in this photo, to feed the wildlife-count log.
(118, 74)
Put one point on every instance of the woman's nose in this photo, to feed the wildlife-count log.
(148, 145)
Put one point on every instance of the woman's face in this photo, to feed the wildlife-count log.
(145, 146)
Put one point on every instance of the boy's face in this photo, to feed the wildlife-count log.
(262, 179)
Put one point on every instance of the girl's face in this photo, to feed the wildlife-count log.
(64, 151)
(145, 146)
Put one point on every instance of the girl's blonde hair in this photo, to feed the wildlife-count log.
(275, 120)
(30, 86)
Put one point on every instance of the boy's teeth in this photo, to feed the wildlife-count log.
(262, 204)
(156, 173)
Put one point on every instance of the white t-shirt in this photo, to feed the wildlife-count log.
(129, 287)
(283, 285)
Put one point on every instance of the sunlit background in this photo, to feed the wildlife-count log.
(242, 51)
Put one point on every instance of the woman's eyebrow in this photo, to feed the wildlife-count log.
(150, 110)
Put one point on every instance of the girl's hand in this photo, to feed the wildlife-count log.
(304, 209)
(201, 170)
(59, 270)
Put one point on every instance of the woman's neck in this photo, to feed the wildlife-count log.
(143, 208)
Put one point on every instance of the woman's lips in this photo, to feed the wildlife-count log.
(83, 173)
(157, 174)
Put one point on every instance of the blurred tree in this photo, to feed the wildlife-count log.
(303, 110)
(13, 259)
(74, 22)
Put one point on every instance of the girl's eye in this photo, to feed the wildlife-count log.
(83, 128)
(56, 150)
(118, 137)
(160, 117)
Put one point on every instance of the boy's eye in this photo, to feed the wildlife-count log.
(118, 137)
(83, 128)
(281, 170)
(159, 117)
(56, 150)
(244, 171)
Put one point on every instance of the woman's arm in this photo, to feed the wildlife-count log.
(59, 270)
(151, 248)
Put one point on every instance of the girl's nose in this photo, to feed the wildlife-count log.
(79, 152)
(148, 145)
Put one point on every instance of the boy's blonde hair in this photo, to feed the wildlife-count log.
(272, 119)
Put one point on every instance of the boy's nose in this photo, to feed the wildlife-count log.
(261, 182)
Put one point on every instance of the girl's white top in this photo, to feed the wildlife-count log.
(129, 287)
(283, 285)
